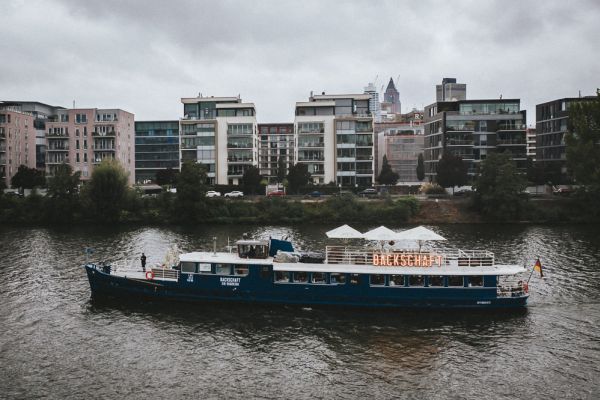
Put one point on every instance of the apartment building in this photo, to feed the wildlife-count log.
(473, 128)
(222, 134)
(17, 141)
(531, 143)
(156, 148)
(334, 138)
(84, 137)
(552, 121)
(401, 143)
(276, 143)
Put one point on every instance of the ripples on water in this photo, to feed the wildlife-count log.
(56, 343)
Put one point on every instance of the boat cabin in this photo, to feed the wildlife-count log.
(257, 249)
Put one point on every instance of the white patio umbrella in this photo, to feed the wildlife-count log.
(419, 234)
(344, 232)
(380, 234)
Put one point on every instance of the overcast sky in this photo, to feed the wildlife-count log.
(143, 56)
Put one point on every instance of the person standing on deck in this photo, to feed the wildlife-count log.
(143, 259)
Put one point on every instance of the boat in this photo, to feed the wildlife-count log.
(378, 274)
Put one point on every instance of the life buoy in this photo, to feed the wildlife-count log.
(525, 287)
(149, 275)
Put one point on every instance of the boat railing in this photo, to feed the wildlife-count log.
(362, 256)
(165, 273)
(515, 290)
(125, 267)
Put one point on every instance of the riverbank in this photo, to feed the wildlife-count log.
(165, 209)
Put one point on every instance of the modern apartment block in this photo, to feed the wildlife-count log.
(551, 125)
(83, 137)
(222, 134)
(401, 143)
(17, 141)
(449, 90)
(374, 104)
(473, 128)
(156, 148)
(334, 138)
(276, 142)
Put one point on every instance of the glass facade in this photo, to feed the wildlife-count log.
(156, 148)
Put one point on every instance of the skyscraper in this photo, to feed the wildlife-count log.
(392, 96)
(374, 105)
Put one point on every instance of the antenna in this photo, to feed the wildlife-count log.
(74, 101)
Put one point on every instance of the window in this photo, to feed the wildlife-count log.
(318, 277)
(436, 281)
(204, 268)
(300, 277)
(416, 280)
(265, 272)
(455, 281)
(397, 280)
(337, 279)
(377, 280)
(240, 270)
(223, 269)
(475, 281)
(188, 267)
(354, 279)
(282, 276)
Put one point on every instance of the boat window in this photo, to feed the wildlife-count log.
(436, 280)
(396, 280)
(378, 280)
(337, 279)
(204, 268)
(318, 277)
(188, 267)
(282, 276)
(455, 280)
(240, 269)
(476, 280)
(265, 272)
(300, 277)
(354, 279)
(223, 269)
(416, 280)
(253, 250)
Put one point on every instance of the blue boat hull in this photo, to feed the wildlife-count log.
(260, 289)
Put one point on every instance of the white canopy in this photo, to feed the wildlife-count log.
(381, 234)
(344, 232)
(419, 233)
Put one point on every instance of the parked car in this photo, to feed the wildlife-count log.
(316, 193)
(235, 193)
(276, 193)
(564, 191)
(212, 193)
(371, 192)
(463, 192)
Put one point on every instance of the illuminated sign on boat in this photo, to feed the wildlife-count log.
(407, 260)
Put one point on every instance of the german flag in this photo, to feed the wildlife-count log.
(538, 267)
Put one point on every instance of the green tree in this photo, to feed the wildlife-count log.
(63, 194)
(28, 178)
(499, 188)
(106, 190)
(166, 177)
(298, 177)
(420, 167)
(451, 171)
(583, 142)
(281, 170)
(251, 180)
(387, 176)
(191, 191)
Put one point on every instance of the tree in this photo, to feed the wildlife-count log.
(499, 188)
(63, 194)
(583, 142)
(420, 167)
(191, 191)
(451, 171)
(166, 177)
(251, 180)
(28, 178)
(106, 190)
(281, 170)
(387, 176)
(298, 176)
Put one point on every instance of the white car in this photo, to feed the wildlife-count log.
(212, 193)
(235, 193)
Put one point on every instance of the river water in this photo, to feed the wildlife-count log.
(56, 343)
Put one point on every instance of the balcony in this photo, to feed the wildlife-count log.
(57, 135)
(103, 134)
(459, 143)
(510, 142)
(58, 148)
(239, 159)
